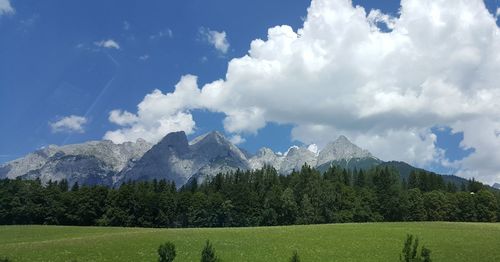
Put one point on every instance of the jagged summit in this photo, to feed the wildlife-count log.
(341, 149)
(342, 139)
(175, 159)
(265, 156)
(295, 158)
(213, 136)
(176, 141)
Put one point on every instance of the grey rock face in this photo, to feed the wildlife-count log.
(296, 158)
(341, 149)
(177, 160)
(83, 169)
(165, 160)
(173, 158)
(96, 159)
(266, 156)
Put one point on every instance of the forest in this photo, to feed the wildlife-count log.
(252, 198)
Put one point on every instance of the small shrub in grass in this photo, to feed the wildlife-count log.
(4, 259)
(410, 251)
(166, 252)
(208, 253)
(295, 257)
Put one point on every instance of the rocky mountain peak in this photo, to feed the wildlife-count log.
(295, 158)
(211, 137)
(264, 151)
(176, 141)
(341, 149)
(342, 139)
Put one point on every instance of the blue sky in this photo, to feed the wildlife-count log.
(54, 64)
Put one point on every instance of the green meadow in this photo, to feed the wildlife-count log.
(331, 242)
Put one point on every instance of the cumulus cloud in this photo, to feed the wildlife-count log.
(215, 38)
(376, 16)
(69, 124)
(110, 43)
(158, 114)
(6, 7)
(237, 139)
(341, 74)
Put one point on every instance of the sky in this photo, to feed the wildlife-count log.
(414, 81)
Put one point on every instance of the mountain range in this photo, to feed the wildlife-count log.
(176, 159)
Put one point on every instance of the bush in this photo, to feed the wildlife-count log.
(295, 257)
(410, 251)
(4, 259)
(208, 253)
(166, 252)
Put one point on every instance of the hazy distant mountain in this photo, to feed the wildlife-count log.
(176, 159)
(496, 185)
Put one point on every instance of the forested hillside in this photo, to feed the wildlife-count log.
(252, 198)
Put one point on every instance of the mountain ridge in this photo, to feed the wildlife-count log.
(176, 159)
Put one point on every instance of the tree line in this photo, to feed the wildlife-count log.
(252, 198)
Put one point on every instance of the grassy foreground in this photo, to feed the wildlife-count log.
(334, 242)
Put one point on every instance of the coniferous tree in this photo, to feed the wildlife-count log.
(289, 207)
(415, 210)
(410, 252)
(166, 252)
(306, 213)
(208, 253)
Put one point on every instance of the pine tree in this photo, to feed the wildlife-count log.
(415, 207)
(306, 215)
(166, 252)
(289, 207)
(208, 253)
(410, 251)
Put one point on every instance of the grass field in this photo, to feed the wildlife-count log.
(335, 242)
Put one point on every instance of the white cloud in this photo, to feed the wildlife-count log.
(498, 12)
(144, 57)
(163, 33)
(110, 43)
(376, 16)
(6, 7)
(339, 74)
(237, 139)
(158, 114)
(69, 124)
(215, 38)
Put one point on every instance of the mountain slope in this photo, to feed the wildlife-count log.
(100, 160)
(174, 159)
